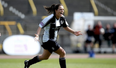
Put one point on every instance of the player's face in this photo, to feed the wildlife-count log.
(114, 25)
(59, 12)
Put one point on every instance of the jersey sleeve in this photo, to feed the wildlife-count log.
(42, 23)
(64, 22)
(45, 20)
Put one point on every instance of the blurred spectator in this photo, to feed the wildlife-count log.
(113, 37)
(88, 41)
(97, 34)
(107, 34)
(0, 34)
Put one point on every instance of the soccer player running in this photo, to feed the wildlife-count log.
(51, 26)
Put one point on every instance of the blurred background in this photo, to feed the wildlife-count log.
(21, 17)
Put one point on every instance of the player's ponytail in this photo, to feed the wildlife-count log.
(52, 8)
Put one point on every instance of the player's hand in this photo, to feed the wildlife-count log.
(77, 33)
(36, 37)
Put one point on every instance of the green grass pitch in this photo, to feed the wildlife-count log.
(54, 63)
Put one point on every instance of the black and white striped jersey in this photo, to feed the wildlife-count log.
(51, 27)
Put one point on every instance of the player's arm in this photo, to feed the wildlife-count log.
(77, 33)
(38, 33)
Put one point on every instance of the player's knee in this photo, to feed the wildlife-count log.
(63, 54)
(45, 58)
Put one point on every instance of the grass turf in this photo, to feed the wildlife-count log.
(54, 63)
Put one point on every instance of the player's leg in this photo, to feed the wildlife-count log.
(100, 43)
(91, 45)
(95, 41)
(113, 44)
(36, 59)
(46, 54)
(113, 48)
(85, 46)
(62, 60)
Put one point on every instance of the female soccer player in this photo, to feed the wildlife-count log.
(51, 26)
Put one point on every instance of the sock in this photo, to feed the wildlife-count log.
(62, 62)
(34, 60)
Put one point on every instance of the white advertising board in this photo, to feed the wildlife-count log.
(21, 45)
(82, 20)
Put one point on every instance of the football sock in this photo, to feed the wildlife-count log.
(62, 62)
(33, 60)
